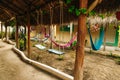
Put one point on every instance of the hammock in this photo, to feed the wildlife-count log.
(98, 42)
(35, 38)
(65, 45)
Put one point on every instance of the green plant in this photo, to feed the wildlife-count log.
(92, 13)
(102, 16)
(60, 57)
(77, 11)
(110, 55)
(21, 44)
(22, 40)
(67, 1)
(13, 34)
(74, 43)
(117, 61)
(12, 23)
(2, 34)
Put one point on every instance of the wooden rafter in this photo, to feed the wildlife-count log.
(8, 8)
(12, 6)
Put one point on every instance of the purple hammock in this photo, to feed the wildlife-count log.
(65, 45)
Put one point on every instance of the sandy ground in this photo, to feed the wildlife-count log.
(96, 66)
(99, 67)
(12, 68)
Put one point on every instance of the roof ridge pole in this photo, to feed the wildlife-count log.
(79, 60)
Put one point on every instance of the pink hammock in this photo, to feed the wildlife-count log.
(65, 45)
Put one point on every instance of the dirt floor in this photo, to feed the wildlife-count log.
(12, 68)
(96, 67)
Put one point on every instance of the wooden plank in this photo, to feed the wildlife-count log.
(40, 46)
(55, 51)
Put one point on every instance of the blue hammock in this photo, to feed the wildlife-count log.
(98, 42)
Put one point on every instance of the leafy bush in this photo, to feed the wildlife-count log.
(13, 34)
(22, 40)
(2, 34)
(117, 61)
(21, 44)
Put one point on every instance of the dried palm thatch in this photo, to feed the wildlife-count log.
(19, 8)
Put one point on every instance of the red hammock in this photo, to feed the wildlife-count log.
(118, 15)
(65, 45)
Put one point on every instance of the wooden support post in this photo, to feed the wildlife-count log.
(104, 48)
(9, 33)
(5, 32)
(51, 33)
(28, 25)
(78, 69)
(25, 38)
(16, 33)
(1, 30)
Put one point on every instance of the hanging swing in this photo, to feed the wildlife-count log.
(51, 38)
(39, 46)
(36, 37)
(61, 25)
(98, 42)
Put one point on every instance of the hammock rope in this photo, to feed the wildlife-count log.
(98, 42)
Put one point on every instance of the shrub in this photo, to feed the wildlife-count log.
(117, 61)
(2, 34)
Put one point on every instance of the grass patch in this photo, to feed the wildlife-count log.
(117, 60)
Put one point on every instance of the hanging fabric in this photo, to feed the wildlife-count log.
(67, 44)
(98, 42)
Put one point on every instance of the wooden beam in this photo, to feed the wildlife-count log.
(16, 33)
(8, 8)
(78, 69)
(1, 30)
(25, 38)
(5, 31)
(104, 43)
(28, 25)
(43, 5)
(10, 3)
(93, 5)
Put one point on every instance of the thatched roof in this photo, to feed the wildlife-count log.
(19, 8)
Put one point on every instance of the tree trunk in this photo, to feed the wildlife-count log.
(78, 69)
